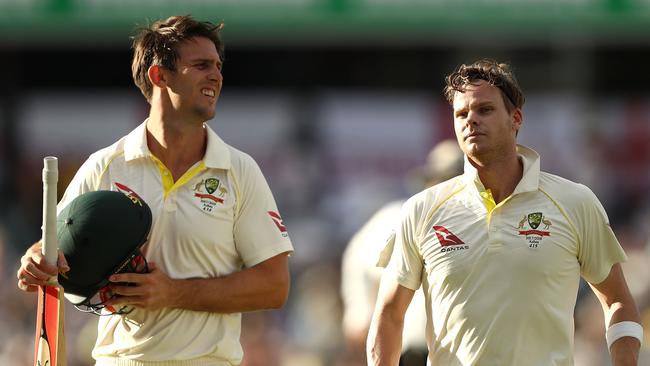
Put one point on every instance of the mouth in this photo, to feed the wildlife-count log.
(208, 92)
(472, 135)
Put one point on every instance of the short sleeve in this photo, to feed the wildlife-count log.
(599, 249)
(86, 179)
(406, 265)
(259, 230)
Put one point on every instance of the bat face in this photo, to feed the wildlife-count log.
(49, 328)
(43, 355)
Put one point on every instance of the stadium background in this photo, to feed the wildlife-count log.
(337, 100)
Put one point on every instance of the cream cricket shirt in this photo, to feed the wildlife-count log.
(501, 280)
(218, 218)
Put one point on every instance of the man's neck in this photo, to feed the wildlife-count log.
(176, 144)
(500, 176)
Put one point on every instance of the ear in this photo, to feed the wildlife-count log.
(156, 76)
(517, 119)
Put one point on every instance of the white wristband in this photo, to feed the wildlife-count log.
(623, 329)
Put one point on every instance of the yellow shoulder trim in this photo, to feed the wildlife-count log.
(437, 206)
(571, 224)
(235, 184)
(101, 175)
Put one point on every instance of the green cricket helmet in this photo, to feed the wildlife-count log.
(100, 234)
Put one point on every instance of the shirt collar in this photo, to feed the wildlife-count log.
(217, 154)
(135, 143)
(529, 181)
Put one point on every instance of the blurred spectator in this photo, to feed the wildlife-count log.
(361, 260)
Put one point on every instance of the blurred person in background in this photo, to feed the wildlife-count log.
(362, 267)
(217, 247)
(500, 249)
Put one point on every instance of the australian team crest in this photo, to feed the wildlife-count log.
(204, 191)
(534, 234)
(534, 219)
(211, 185)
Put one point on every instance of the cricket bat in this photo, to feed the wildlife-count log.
(50, 341)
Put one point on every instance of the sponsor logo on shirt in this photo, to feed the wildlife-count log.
(448, 240)
(534, 234)
(277, 220)
(129, 193)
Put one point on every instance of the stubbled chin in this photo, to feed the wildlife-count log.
(207, 113)
(471, 147)
(210, 115)
(474, 151)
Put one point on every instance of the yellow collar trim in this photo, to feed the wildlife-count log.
(488, 200)
(168, 180)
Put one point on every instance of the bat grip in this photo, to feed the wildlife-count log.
(50, 179)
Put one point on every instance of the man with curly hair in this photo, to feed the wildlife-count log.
(500, 249)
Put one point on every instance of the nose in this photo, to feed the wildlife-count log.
(215, 75)
(472, 118)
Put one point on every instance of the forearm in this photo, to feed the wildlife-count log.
(260, 287)
(384, 343)
(619, 306)
(622, 311)
(264, 286)
(239, 292)
(625, 350)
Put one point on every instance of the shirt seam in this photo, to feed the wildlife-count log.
(571, 224)
(105, 169)
(236, 188)
(436, 208)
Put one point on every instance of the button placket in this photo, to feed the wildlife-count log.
(495, 241)
(170, 202)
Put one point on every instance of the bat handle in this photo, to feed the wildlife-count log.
(50, 180)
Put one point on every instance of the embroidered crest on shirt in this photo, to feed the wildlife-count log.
(204, 190)
(448, 241)
(211, 185)
(534, 234)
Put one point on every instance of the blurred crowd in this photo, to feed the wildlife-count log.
(331, 165)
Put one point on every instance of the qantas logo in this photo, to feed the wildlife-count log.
(277, 220)
(445, 237)
(448, 241)
(129, 193)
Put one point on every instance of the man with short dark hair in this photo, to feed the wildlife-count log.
(499, 250)
(217, 247)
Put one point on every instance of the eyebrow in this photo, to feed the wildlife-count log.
(205, 60)
(483, 103)
(479, 104)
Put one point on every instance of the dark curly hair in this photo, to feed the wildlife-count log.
(497, 74)
(158, 45)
